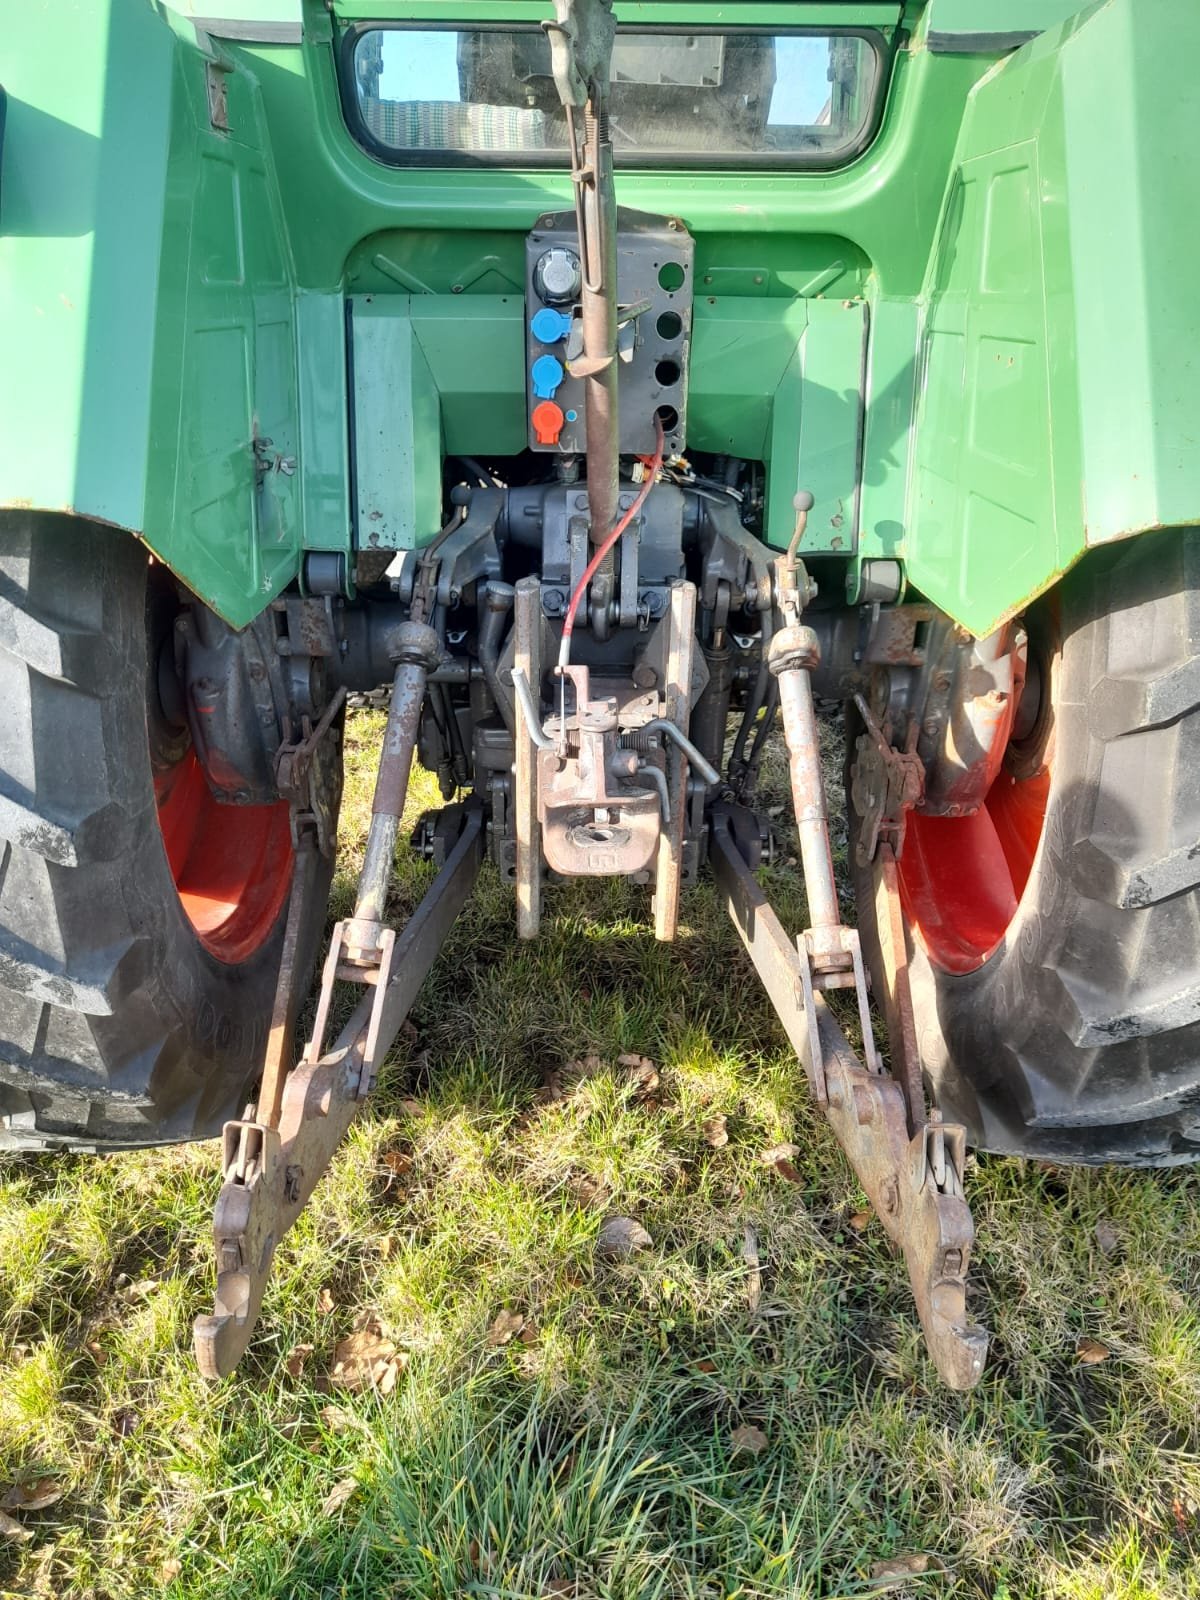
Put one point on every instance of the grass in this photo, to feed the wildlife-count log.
(594, 1452)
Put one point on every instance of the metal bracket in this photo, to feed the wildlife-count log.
(885, 785)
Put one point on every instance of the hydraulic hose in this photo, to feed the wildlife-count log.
(589, 572)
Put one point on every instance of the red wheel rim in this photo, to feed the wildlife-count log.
(962, 878)
(232, 864)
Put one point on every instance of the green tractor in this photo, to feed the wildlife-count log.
(610, 385)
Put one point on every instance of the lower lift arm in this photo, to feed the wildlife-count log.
(274, 1158)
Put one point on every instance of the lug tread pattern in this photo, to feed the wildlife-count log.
(1079, 1040)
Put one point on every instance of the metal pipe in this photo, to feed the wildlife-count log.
(670, 730)
(599, 325)
(808, 797)
(498, 603)
(416, 649)
(658, 779)
(529, 711)
(527, 662)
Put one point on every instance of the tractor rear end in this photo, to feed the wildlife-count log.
(612, 390)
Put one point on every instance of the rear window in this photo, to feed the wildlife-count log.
(423, 96)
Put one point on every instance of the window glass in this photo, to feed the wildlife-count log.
(710, 98)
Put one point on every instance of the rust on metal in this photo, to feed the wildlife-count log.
(913, 1181)
(270, 1171)
(677, 695)
(527, 659)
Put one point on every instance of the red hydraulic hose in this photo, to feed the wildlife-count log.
(564, 653)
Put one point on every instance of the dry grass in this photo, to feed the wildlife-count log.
(593, 1452)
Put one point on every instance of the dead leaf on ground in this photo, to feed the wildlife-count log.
(367, 1358)
(10, 1528)
(124, 1423)
(897, 1568)
(785, 1169)
(778, 1152)
(622, 1237)
(398, 1163)
(1108, 1236)
(529, 1333)
(325, 1301)
(1091, 1351)
(858, 1220)
(141, 1290)
(588, 1192)
(170, 1569)
(296, 1358)
(35, 1496)
(337, 1496)
(412, 1108)
(386, 1245)
(716, 1132)
(97, 1351)
(506, 1326)
(558, 1586)
(337, 1419)
(706, 1366)
(749, 1438)
(644, 1073)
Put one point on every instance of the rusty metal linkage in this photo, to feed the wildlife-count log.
(272, 1162)
(913, 1180)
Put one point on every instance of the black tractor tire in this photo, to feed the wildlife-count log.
(1078, 1039)
(118, 1027)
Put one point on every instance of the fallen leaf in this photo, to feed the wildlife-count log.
(1108, 1237)
(858, 1220)
(644, 1074)
(337, 1496)
(367, 1358)
(897, 1568)
(398, 1163)
(529, 1333)
(749, 1438)
(386, 1245)
(170, 1570)
(10, 1528)
(296, 1357)
(622, 1237)
(35, 1496)
(124, 1423)
(558, 1586)
(337, 1419)
(1091, 1351)
(506, 1326)
(778, 1152)
(588, 1192)
(716, 1132)
(325, 1301)
(412, 1108)
(785, 1169)
(706, 1366)
(97, 1352)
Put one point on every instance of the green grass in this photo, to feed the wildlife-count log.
(593, 1454)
